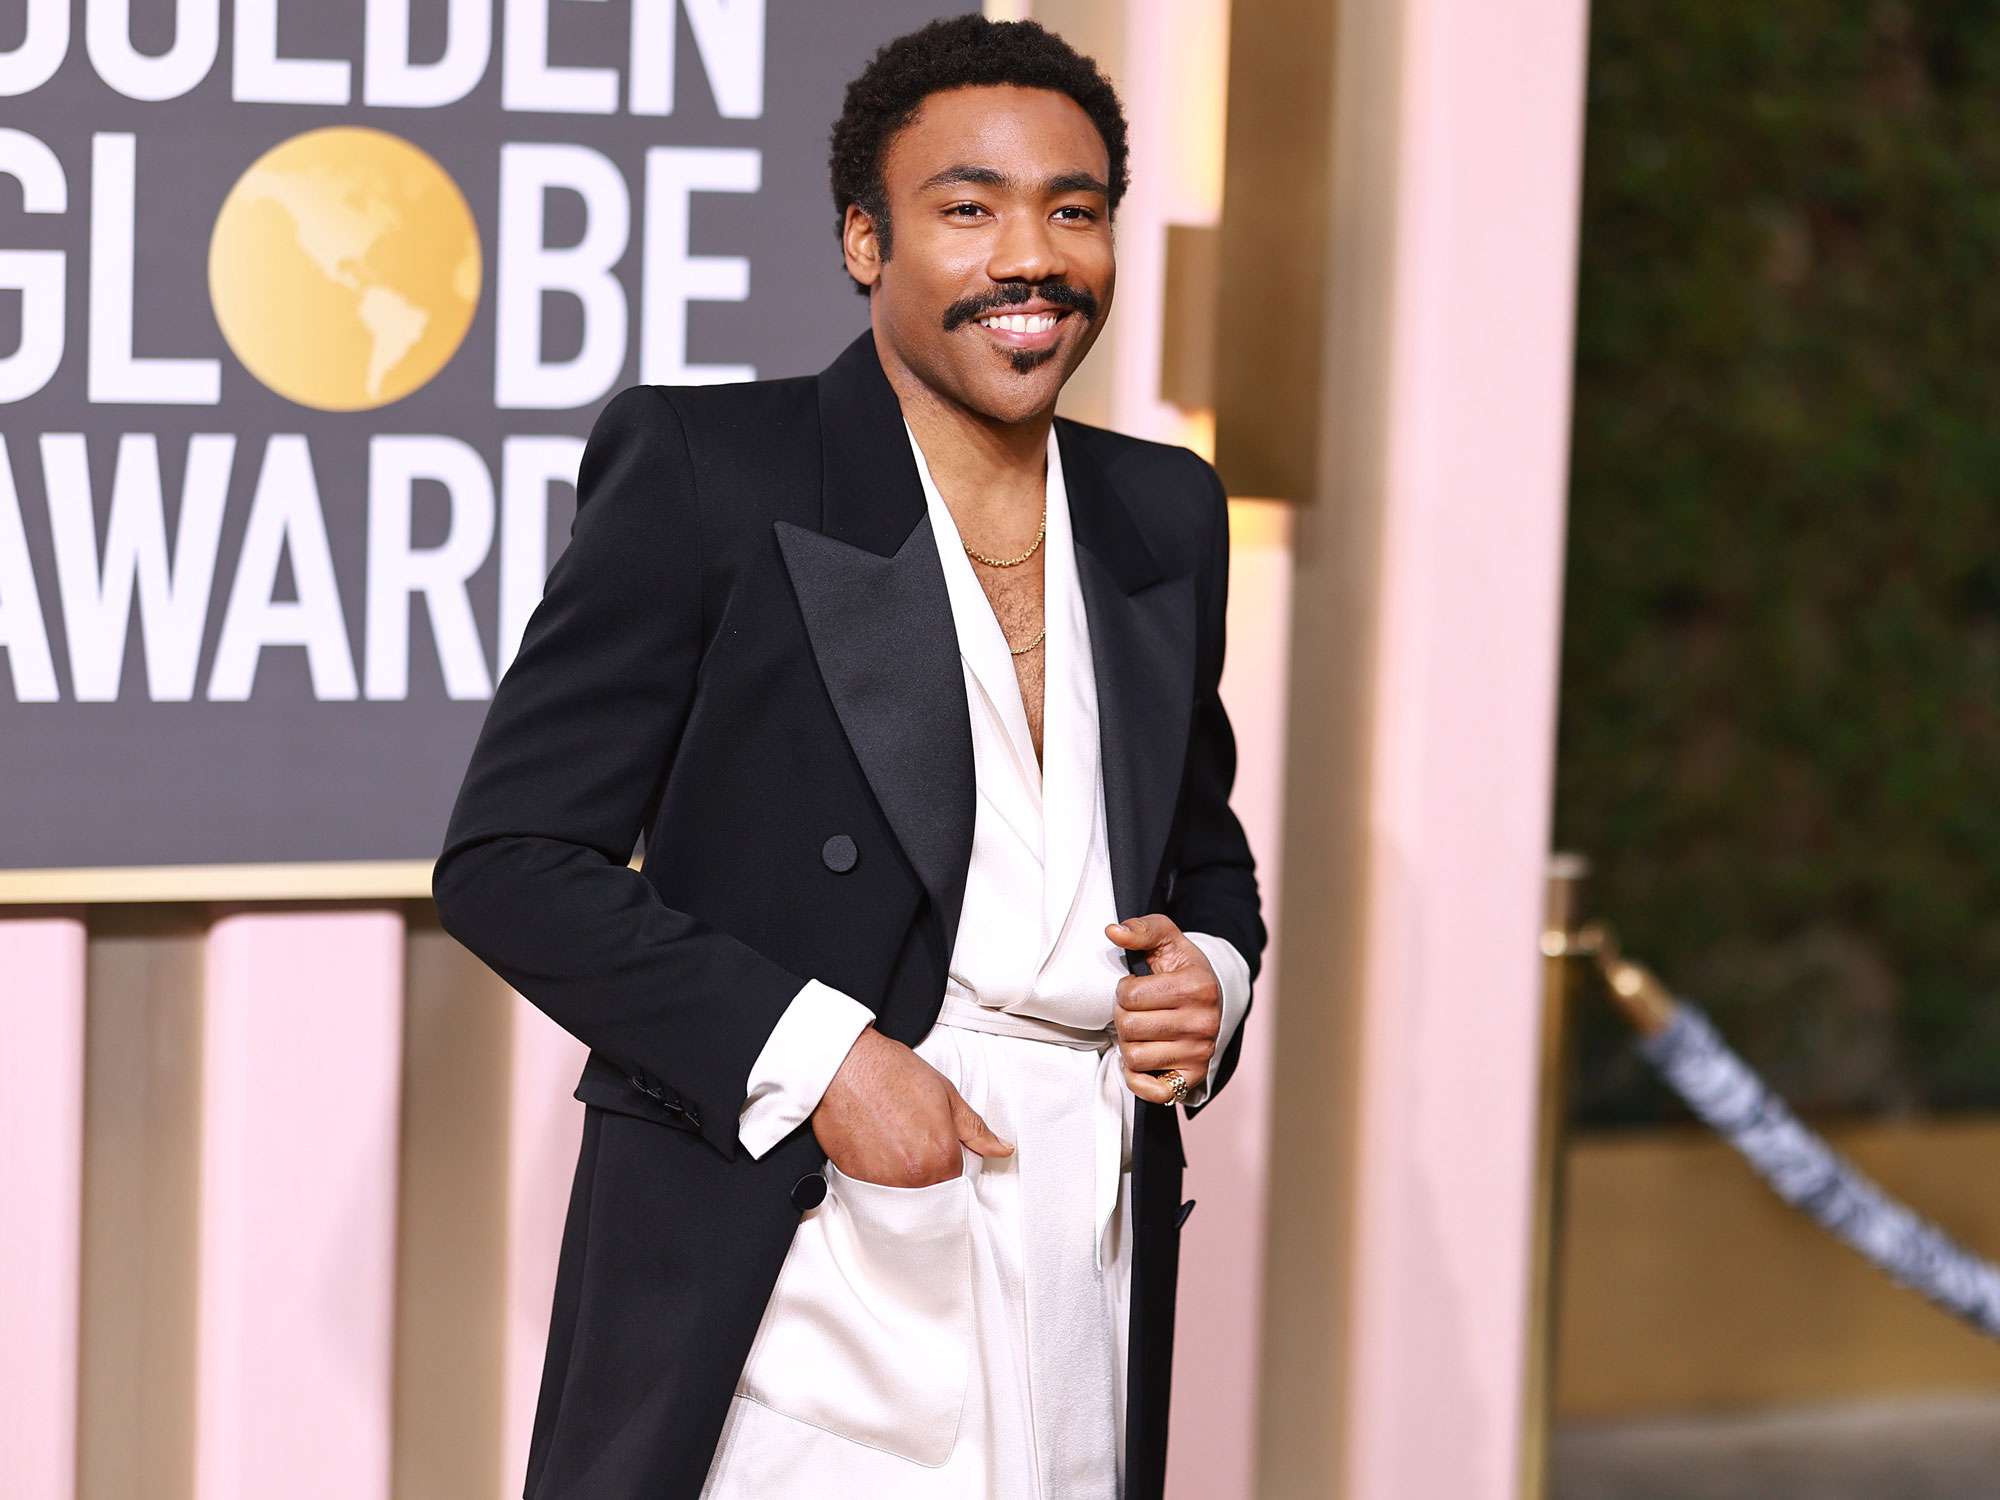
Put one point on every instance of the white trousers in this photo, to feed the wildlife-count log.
(965, 1340)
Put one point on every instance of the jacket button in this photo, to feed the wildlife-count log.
(838, 853)
(1181, 1217)
(808, 1192)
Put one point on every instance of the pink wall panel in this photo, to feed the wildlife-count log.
(41, 1181)
(1213, 1449)
(301, 1058)
(1463, 741)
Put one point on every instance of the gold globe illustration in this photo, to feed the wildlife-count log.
(344, 268)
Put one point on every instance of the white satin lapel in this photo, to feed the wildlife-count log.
(1016, 796)
(1069, 720)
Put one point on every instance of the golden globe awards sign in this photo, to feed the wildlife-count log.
(305, 309)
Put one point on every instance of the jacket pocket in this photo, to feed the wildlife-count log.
(868, 1332)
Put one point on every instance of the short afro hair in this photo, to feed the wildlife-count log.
(953, 53)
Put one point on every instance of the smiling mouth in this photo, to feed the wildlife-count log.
(1036, 330)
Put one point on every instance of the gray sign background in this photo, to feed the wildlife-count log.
(282, 777)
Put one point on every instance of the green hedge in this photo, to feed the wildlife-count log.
(1780, 727)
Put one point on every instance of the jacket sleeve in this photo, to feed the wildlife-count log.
(1215, 887)
(534, 878)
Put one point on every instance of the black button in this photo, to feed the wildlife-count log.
(839, 853)
(1181, 1217)
(808, 1192)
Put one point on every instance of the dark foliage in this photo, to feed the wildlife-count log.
(1780, 732)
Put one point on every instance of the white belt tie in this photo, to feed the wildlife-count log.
(1072, 1364)
(1108, 1122)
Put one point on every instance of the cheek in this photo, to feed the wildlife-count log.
(943, 252)
(1104, 276)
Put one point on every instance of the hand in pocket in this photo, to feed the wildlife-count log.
(890, 1119)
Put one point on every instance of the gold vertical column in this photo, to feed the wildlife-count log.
(1306, 264)
(141, 1168)
(451, 1220)
(1559, 981)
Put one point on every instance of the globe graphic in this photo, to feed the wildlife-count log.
(344, 268)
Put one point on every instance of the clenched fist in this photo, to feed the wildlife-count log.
(1171, 1017)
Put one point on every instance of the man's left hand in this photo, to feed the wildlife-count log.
(1171, 1017)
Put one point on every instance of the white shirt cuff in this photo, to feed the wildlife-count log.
(798, 1060)
(1234, 974)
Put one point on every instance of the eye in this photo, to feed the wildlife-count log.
(954, 209)
(1085, 214)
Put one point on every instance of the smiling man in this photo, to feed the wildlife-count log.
(912, 688)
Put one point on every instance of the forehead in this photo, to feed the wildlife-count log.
(1028, 133)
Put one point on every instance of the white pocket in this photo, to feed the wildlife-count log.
(868, 1332)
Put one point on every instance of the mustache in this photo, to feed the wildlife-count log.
(1056, 293)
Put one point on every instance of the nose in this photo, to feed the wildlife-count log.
(1025, 250)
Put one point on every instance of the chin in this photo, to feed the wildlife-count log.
(1014, 395)
(1016, 406)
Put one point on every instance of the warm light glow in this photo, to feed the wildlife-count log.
(1260, 524)
(1197, 81)
(1196, 430)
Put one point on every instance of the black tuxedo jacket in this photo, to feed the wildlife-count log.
(746, 652)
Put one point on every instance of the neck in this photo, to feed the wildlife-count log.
(982, 467)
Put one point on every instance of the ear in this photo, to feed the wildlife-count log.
(860, 246)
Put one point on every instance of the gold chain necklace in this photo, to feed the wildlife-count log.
(1013, 562)
(1024, 650)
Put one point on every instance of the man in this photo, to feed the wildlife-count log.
(879, 1184)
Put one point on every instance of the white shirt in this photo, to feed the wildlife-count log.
(1038, 889)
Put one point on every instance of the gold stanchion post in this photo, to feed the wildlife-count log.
(1562, 900)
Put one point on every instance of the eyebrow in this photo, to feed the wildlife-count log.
(1062, 182)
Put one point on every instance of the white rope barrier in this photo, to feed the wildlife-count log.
(1810, 1175)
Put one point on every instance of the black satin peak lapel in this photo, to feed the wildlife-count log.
(882, 635)
(1142, 646)
(872, 594)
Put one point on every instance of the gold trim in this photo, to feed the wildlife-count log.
(1563, 894)
(333, 880)
(1260, 523)
(379, 880)
(1187, 341)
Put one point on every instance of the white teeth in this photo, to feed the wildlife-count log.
(1022, 322)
